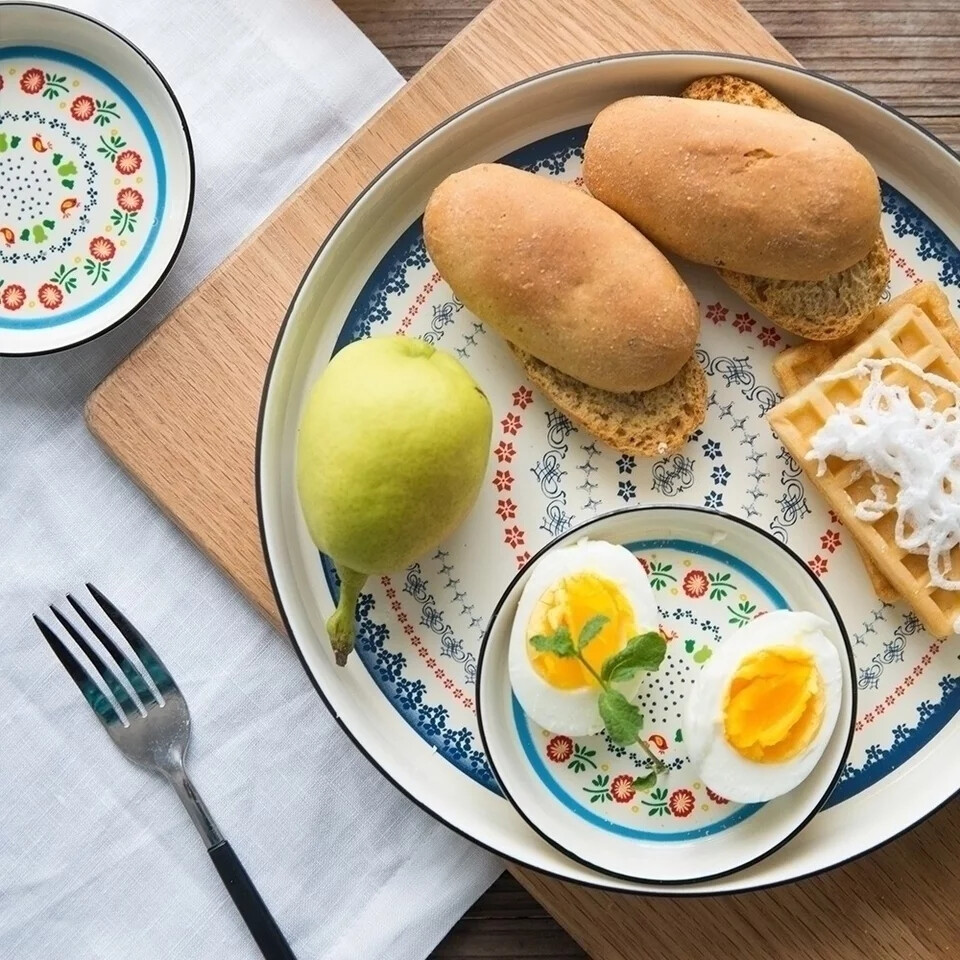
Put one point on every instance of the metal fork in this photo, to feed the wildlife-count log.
(153, 731)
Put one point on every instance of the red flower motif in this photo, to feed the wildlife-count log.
(559, 749)
(50, 295)
(899, 691)
(908, 681)
(717, 312)
(643, 563)
(926, 659)
(621, 788)
(818, 565)
(511, 423)
(82, 108)
(834, 516)
(744, 322)
(504, 452)
(503, 480)
(681, 803)
(102, 248)
(128, 162)
(32, 81)
(522, 398)
(513, 536)
(507, 509)
(768, 336)
(695, 583)
(129, 199)
(522, 558)
(13, 296)
(830, 540)
(716, 798)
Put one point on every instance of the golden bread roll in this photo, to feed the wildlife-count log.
(760, 192)
(562, 277)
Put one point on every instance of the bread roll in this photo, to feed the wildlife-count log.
(760, 192)
(562, 277)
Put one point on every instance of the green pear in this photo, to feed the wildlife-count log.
(392, 450)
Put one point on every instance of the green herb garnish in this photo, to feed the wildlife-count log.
(622, 719)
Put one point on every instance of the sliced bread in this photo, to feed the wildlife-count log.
(651, 423)
(731, 89)
(819, 310)
(813, 309)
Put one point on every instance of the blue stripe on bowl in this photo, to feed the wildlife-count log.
(98, 73)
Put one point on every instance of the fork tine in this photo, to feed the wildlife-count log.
(141, 688)
(102, 707)
(109, 677)
(154, 665)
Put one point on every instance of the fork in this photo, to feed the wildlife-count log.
(153, 731)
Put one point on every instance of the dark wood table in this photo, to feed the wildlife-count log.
(906, 52)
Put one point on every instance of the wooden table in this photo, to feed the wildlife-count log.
(906, 52)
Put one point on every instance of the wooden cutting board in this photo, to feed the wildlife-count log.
(163, 415)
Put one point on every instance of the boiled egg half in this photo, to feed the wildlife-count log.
(763, 708)
(567, 587)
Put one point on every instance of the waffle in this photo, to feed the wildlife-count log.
(909, 334)
(797, 366)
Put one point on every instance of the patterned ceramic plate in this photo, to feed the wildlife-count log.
(96, 178)
(408, 698)
(579, 793)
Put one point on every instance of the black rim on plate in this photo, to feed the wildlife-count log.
(583, 529)
(191, 186)
(259, 467)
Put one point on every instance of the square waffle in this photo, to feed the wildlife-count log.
(796, 366)
(911, 335)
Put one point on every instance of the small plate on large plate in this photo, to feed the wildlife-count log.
(407, 698)
(578, 792)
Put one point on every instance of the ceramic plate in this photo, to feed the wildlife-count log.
(96, 178)
(578, 793)
(408, 698)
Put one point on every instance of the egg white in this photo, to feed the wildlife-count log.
(721, 767)
(575, 712)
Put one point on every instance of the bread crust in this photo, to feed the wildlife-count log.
(562, 276)
(760, 192)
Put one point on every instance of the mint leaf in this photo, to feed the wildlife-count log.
(642, 784)
(559, 642)
(643, 652)
(590, 629)
(621, 718)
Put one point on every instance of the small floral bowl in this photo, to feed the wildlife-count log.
(712, 574)
(96, 179)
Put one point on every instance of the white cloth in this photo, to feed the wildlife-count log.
(97, 858)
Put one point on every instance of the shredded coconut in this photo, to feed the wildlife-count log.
(917, 447)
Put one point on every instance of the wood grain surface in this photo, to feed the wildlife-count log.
(160, 414)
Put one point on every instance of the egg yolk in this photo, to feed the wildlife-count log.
(571, 602)
(774, 704)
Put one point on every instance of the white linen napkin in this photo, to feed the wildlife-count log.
(97, 858)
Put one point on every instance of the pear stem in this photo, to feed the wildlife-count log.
(342, 625)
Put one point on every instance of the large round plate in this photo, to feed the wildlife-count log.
(407, 697)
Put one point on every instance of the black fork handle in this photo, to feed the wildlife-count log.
(272, 943)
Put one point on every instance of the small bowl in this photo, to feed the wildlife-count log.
(711, 573)
(96, 179)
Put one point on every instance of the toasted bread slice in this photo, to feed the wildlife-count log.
(731, 89)
(813, 309)
(819, 310)
(652, 423)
